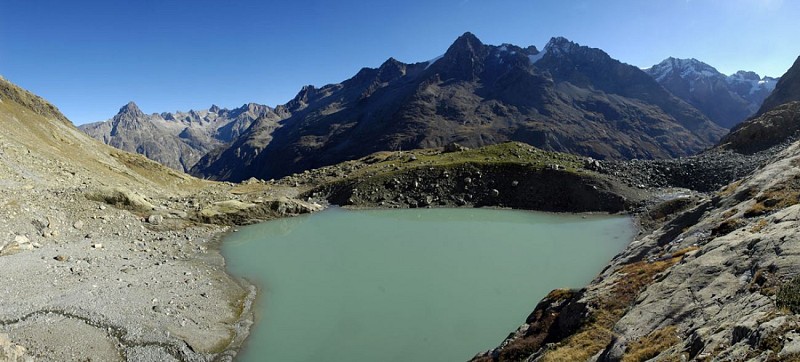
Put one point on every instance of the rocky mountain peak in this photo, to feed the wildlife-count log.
(131, 109)
(301, 99)
(466, 42)
(745, 75)
(214, 109)
(561, 45)
(466, 46)
(391, 69)
(684, 68)
(727, 100)
(464, 58)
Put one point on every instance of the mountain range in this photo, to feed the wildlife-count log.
(565, 97)
(177, 140)
(726, 100)
(119, 250)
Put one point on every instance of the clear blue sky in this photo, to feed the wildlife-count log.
(89, 57)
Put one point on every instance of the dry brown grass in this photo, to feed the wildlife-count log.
(760, 225)
(730, 189)
(685, 251)
(728, 226)
(651, 345)
(778, 197)
(597, 334)
(729, 213)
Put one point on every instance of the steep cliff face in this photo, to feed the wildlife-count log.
(787, 89)
(566, 97)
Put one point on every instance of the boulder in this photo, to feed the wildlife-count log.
(454, 147)
(121, 198)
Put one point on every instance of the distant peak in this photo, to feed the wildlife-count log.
(467, 41)
(689, 68)
(467, 36)
(746, 75)
(132, 109)
(560, 44)
(391, 62)
(391, 69)
(685, 63)
(214, 109)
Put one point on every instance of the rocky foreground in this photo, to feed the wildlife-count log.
(108, 256)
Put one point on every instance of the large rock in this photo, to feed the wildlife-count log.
(240, 213)
(121, 198)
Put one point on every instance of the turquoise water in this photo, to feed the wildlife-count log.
(410, 285)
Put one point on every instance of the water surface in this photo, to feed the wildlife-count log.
(410, 285)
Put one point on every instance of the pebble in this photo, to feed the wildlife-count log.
(155, 219)
(78, 224)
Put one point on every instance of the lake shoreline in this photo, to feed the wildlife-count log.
(406, 251)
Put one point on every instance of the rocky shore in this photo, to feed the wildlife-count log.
(108, 256)
(122, 282)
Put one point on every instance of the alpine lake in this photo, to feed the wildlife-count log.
(410, 284)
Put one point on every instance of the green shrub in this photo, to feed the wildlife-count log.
(789, 295)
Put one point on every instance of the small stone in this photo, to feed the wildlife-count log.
(61, 257)
(155, 219)
(495, 193)
(78, 224)
(102, 207)
(97, 246)
(514, 183)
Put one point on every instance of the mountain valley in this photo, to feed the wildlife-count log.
(109, 255)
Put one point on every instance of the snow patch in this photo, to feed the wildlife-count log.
(537, 57)
(434, 60)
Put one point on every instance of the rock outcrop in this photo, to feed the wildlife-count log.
(787, 89)
(779, 125)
